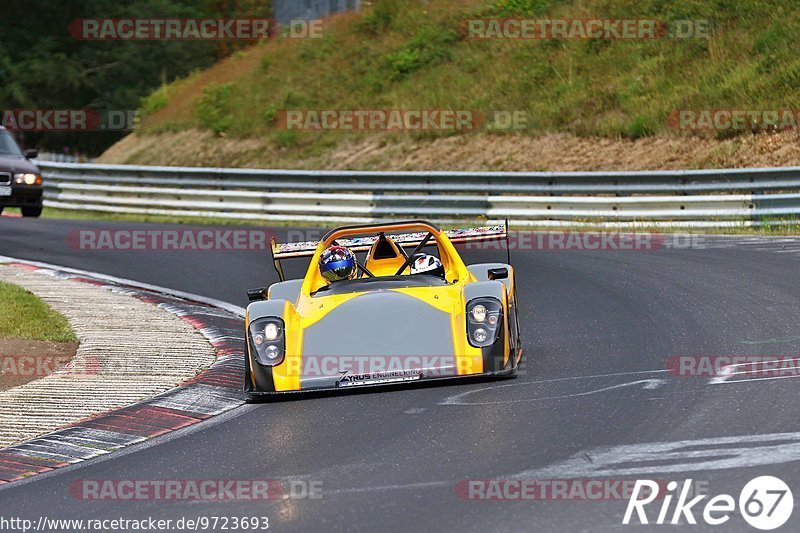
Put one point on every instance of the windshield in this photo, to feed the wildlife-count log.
(375, 284)
(8, 146)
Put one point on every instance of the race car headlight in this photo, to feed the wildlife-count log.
(484, 320)
(267, 338)
(28, 179)
(478, 313)
(271, 331)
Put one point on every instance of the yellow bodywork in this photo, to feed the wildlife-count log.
(308, 310)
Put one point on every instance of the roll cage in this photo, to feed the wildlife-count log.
(361, 238)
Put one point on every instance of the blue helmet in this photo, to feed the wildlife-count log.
(338, 263)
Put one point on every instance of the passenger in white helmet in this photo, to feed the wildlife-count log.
(427, 264)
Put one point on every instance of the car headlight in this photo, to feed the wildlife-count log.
(479, 313)
(267, 337)
(28, 179)
(271, 331)
(484, 320)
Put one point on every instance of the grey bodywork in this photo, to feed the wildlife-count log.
(286, 290)
(493, 289)
(481, 271)
(267, 308)
(382, 323)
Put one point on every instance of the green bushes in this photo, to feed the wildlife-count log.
(214, 110)
(154, 102)
(430, 46)
(379, 18)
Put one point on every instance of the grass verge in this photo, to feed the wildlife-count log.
(791, 227)
(24, 316)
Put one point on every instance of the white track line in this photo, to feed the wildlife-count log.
(456, 398)
(138, 284)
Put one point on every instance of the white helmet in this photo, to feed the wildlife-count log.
(427, 264)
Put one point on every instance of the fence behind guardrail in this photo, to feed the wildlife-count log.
(287, 10)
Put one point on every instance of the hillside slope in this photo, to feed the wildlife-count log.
(584, 98)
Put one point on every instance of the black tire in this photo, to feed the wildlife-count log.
(32, 211)
(1, 210)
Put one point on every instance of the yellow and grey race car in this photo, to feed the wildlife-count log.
(387, 323)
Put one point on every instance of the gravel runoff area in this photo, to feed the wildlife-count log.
(129, 351)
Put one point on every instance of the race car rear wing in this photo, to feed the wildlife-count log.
(296, 250)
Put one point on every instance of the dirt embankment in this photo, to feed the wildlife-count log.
(23, 361)
(555, 152)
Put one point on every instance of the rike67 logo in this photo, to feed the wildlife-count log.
(765, 503)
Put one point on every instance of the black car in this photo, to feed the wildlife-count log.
(20, 179)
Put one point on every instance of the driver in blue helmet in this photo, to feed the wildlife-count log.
(338, 263)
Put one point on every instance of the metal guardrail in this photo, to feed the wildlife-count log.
(701, 198)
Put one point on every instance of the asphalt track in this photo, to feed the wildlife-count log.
(598, 327)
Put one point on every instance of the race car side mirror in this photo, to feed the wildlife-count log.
(257, 295)
(498, 273)
(31, 154)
